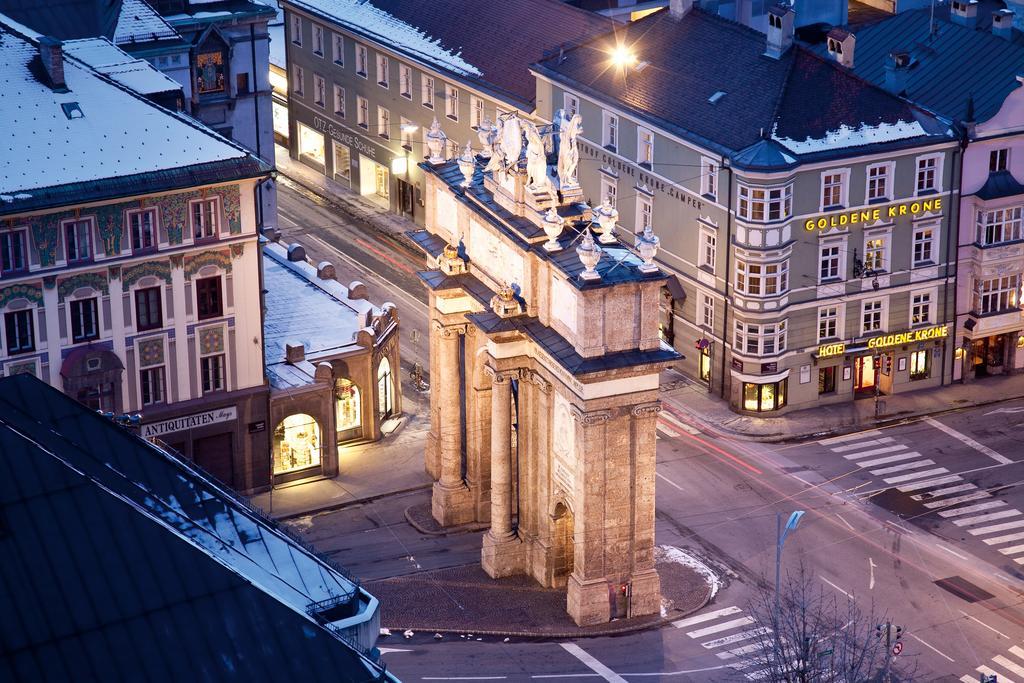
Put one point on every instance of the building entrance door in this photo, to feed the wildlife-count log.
(213, 454)
(864, 377)
(406, 198)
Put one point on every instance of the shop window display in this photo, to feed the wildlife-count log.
(764, 397)
(347, 410)
(296, 444)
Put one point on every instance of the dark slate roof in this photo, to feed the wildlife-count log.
(122, 563)
(1000, 184)
(949, 67)
(66, 19)
(797, 96)
(500, 39)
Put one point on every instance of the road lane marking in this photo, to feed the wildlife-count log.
(890, 458)
(871, 572)
(876, 451)
(701, 618)
(862, 444)
(463, 678)
(932, 648)
(1015, 524)
(843, 520)
(1004, 539)
(986, 518)
(836, 587)
(1009, 665)
(981, 448)
(849, 437)
(932, 495)
(1012, 551)
(660, 674)
(903, 467)
(972, 508)
(955, 500)
(951, 551)
(730, 654)
(736, 638)
(996, 675)
(670, 482)
(724, 626)
(596, 666)
(915, 475)
(1017, 651)
(931, 482)
(975, 619)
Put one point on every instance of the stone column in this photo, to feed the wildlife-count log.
(450, 503)
(645, 585)
(501, 554)
(432, 453)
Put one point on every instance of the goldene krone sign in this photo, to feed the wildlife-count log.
(887, 340)
(844, 218)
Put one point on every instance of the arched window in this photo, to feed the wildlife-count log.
(296, 444)
(385, 389)
(348, 410)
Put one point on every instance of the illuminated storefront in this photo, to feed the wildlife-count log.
(311, 145)
(297, 444)
(348, 410)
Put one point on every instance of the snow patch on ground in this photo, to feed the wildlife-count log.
(670, 553)
(848, 136)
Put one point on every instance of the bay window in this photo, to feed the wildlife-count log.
(760, 339)
(764, 397)
(765, 204)
(997, 295)
(762, 279)
(999, 225)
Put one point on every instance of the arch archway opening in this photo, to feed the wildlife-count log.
(297, 444)
(562, 544)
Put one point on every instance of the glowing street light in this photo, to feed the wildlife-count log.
(623, 57)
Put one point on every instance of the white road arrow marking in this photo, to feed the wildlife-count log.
(389, 650)
(871, 569)
(1015, 409)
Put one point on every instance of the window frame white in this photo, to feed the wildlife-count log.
(383, 122)
(570, 104)
(922, 307)
(427, 91)
(1005, 287)
(746, 195)
(831, 315)
(296, 30)
(23, 247)
(451, 102)
(707, 312)
(612, 184)
(362, 112)
(645, 147)
(90, 234)
(213, 215)
(298, 76)
(610, 131)
(340, 101)
(318, 40)
(936, 171)
(405, 80)
(1013, 226)
(886, 179)
(383, 65)
(999, 160)
(885, 237)
(477, 111)
(154, 229)
(746, 277)
(644, 212)
(338, 49)
(709, 178)
(92, 304)
(362, 61)
(707, 249)
(835, 185)
(882, 315)
(319, 91)
(932, 242)
(768, 339)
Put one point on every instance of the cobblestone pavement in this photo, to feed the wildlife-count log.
(464, 600)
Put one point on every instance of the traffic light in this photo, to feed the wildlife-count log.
(887, 364)
(879, 631)
(899, 632)
(877, 362)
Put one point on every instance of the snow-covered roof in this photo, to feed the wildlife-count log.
(849, 136)
(138, 22)
(96, 130)
(108, 59)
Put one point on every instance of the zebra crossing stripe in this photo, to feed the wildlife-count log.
(996, 527)
(901, 468)
(970, 509)
(862, 444)
(1012, 551)
(725, 626)
(1002, 514)
(998, 675)
(1009, 665)
(931, 495)
(875, 451)
(707, 616)
(849, 437)
(736, 637)
(1004, 539)
(738, 652)
(955, 500)
(915, 475)
(931, 482)
(890, 458)
(1017, 650)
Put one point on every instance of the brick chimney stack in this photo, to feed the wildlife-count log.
(51, 52)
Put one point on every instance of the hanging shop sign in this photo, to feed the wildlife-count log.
(843, 218)
(885, 341)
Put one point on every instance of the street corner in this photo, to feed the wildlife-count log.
(688, 582)
(420, 517)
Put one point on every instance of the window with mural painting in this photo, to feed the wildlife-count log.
(210, 72)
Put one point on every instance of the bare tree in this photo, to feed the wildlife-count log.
(809, 635)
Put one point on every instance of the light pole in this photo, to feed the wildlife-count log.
(780, 535)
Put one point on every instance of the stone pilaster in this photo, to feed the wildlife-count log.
(432, 448)
(451, 502)
(502, 552)
(645, 586)
(540, 552)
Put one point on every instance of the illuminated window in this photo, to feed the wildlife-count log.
(762, 279)
(921, 308)
(827, 380)
(210, 72)
(828, 323)
(764, 397)
(761, 204)
(348, 410)
(878, 182)
(296, 444)
(920, 364)
(999, 225)
(705, 364)
(311, 144)
(997, 295)
(924, 246)
(871, 316)
(875, 256)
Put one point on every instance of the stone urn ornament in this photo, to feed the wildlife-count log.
(607, 217)
(590, 254)
(647, 246)
(467, 164)
(484, 133)
(553, 224)
(436, 143)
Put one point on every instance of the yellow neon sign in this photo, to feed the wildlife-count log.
(839, 220)
(829, 350)
(887, 340)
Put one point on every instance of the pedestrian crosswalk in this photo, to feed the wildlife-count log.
(938, 490)
(732, 636)
(1012, 662)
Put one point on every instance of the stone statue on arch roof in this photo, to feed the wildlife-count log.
(536, 159)
(569, 130)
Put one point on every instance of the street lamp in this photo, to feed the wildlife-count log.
(780, 535)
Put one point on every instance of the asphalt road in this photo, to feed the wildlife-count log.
(862, 537)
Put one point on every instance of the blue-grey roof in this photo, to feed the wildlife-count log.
(948, 66)
(123, 563)
(1000, 184)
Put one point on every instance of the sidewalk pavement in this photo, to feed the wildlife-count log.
(360, 208)
(690, 398)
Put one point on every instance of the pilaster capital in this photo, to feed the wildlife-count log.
(501, 376)
(647, 409)
(536, 379)
(593, 417)
(447, 331)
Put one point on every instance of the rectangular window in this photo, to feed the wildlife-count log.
(153, 385)
(204, 219)
(212, 370)
(361, 60)
(609, 190)
(242, 83)
(760, 339)
(643, 213)
(451, 102)
(406, 129)
(997, 159)
(362, 111)
(20, 332)
(644, 147)
(920, 364)
(871, 316)
(572, 105)
(318, 40)
(12, 251)
(319, 91)
(921, 308)
(209, 303)
(84, 320)
(339, 101)
(927, 174)
(999, 225)
(298, 75)
(297, 29)
(829, 262)
(997, 295)
(874, 254)
(476, 111)
(831, 190)
(383, 123)
(405, 81)
(707, 314)
(610, 133)
(828, 323)
(827, 380)
(78, 240)
(708, 251)
(148, 309)
(427, 91)
(760, 204)
(709, 179)
(339, 50)
(764, 397)
(924, 247)
(762, 279)
(382, 70)
(878, 182)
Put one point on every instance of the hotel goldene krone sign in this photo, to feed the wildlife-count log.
(844, 218)
(887, 340)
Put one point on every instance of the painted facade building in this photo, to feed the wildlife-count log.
(805, 214)
(367, 80)
(129, 274)
(332, 361)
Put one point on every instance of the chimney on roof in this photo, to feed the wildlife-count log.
(841, 44)
(678, 9)
(964, 12)
(51, 53)
(1002, 23)
(897, 66)
(780, 30)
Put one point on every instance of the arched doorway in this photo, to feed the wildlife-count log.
(562, 545)
(297, 444)
(385, 390)
(348, 410)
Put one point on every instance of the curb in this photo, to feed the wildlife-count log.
(349, 503)
(461, 528)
